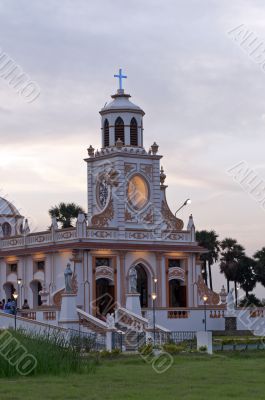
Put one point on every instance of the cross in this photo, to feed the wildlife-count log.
(121, 77)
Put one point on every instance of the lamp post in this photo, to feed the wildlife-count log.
(19, 285)
(15, 295)
(205, 298)
(188, 201)
(154, 316)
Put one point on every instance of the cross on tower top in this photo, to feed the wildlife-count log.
(121, 77)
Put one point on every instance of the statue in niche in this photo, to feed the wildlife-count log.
(68, 279)
(133, 279)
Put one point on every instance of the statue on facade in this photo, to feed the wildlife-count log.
(230, 303)
(68, 279)
(110, 320)
(133, 279)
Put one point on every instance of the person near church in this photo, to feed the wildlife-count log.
(1, 305)
(8, 307)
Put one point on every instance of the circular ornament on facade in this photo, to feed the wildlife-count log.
(102, 193)
(138, 192)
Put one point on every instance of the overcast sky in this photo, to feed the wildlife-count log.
(203, 95)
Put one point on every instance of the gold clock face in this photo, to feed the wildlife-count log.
(138, 192)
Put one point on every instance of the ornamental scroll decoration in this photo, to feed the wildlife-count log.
(102, 219)
(128, 216)
(104, 272)
(74, 283)
(57, 298)
(213, 298)
(128, 168)
(149, 217)
(147, 169)
(173, 223)
(176, 273)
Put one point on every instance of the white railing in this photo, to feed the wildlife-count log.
(96, 235)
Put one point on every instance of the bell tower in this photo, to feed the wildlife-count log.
(126, 190)
(121, 120)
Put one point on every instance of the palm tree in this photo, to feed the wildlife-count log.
(260, 265)
(208, 240)
(65, 213)
(246, 276)
(231, 253)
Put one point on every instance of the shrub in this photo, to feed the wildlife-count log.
(110, 354)
(203, 349)
(173, 348)
(146, 349)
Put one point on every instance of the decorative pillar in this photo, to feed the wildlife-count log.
(122, 282)
(159, 279)
(77, 259)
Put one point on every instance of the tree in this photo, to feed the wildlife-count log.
(250, 301)
(65, 213)
(246, 276)
(231, 253)
(208, 240)
(260, 265)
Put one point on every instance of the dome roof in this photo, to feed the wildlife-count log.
(121, 102)
(7, 209)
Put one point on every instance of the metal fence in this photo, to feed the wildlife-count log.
(85, 341)
(176, 337)
(128, 341)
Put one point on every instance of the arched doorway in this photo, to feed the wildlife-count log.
(105, 297)
(9, 290)
(36, 288)
(177, 293)
(142, 285)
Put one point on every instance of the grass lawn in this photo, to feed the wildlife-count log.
(200, 377)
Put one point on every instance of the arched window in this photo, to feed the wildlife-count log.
(142, 285)
(106, 133)
(177, 293)
(6, 229)
(133, 133)
(119, 130)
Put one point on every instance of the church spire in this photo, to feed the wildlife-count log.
(121, 119)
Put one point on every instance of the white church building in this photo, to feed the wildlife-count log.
(128, 225)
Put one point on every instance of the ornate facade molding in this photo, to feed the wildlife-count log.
(128, 168)
(149, 217)
(102, 219)
(173, 223)
(176, 273)
(213, 298)
(147, 169)
(105, 272)
(128, 216)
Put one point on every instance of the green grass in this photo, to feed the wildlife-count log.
(192, 376)
(51, 353)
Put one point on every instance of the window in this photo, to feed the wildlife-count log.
(172, 263)
(40, 265)
(106, 133)
(6, 229)
(119, 130)
(13, 268)
(103, 262)
(133, 133)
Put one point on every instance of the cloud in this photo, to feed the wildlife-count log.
(203, 98)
